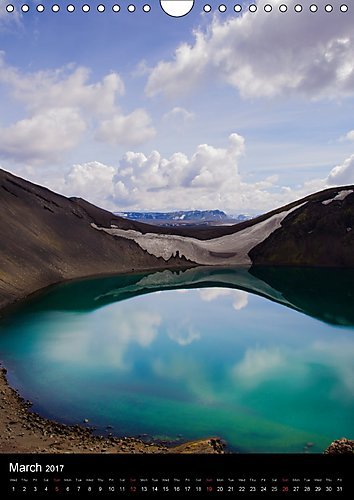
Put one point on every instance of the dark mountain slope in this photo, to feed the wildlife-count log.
(46, 238)
(317, 235)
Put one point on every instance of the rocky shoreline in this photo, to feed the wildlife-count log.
(341, 446)
(23, 431)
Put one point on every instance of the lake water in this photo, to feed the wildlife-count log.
(263, 359)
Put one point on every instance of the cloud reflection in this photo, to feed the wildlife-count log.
(105, 340)
(239, 297)
(338, 356)
(259, 364)
(300, 366)
(192, 374)
(183, 334)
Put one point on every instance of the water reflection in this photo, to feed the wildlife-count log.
(183, 333)
(206, 354)
(104, 339)
(259, 365)
(326, 294)
(239, 297)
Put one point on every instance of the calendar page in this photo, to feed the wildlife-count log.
(176, 248)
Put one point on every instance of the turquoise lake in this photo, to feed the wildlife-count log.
(263, 358)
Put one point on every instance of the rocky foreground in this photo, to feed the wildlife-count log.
(341, 446)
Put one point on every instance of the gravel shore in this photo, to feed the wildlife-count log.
(23, 431)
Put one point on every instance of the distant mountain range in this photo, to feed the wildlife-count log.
(46, 238)
(185, 217)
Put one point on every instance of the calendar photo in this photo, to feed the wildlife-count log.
(177, 245)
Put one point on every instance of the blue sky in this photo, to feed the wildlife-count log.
(241, 112)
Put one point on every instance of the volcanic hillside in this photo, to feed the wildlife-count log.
(46, 238)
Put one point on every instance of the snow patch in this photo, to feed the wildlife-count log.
(231, 249)
(340, 196)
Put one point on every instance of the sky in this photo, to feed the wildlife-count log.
(241, 112)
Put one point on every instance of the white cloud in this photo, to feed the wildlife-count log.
(188, 67)
(130, 130)
(43, 137)
(342, 174)
(207, 162)
(167, 183)
(92, 177)
(207, 179)
(265, 55)
(349, 136)
(59, 106)
(178, 116)
(68, 86)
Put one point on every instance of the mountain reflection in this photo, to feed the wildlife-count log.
(325, 294)
(211, 352)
